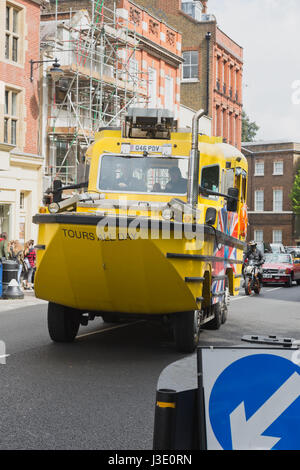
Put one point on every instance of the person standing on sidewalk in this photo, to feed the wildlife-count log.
(29, 260)
(4, 252)
(17, 254)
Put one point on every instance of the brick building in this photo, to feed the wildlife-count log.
(158, 57)
(113, 55)
(272, 168)
(20, 162)
(213, 64)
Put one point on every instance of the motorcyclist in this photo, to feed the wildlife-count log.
(253, 253)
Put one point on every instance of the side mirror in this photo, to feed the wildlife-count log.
(232, 201)
(210, 216)
(57, 195)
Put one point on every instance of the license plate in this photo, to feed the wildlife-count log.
(268, 276)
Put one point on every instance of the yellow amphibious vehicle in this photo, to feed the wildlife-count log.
(158, 231)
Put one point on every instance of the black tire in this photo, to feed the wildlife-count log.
(186, 331)
(289, 283)
(63, 323)
(298, 282)
(217, 321)
(248, 289)
(257, 288)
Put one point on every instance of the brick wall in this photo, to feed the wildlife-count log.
(193, 95)
(65, 5)
(16, 76)
(268, 153)
(197, 95)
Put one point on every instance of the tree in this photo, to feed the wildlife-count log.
(249, 129)
(295, 194)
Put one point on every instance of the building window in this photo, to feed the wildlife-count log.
(278, 168)
(259, 236)
(190, 65)
(277, 200)
(12, 34)
(11, 117)
(22, 200)
(192, 8)
(152, 87)
(277, 236)
(259, 168)
(169, 93)
(259, 200)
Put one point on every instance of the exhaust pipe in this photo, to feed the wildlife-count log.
(194, 164)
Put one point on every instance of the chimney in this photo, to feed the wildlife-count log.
(204, 9)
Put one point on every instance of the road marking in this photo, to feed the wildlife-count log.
(239, 297)
(3, 358)
(108, 329)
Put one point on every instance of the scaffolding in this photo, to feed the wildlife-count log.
(101, 79)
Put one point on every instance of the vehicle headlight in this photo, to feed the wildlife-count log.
(167, 214)
(53, 208)
(282, 271)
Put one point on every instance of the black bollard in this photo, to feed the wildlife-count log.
(13, 291)
(164, 420)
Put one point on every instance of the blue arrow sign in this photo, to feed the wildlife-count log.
(255, 404)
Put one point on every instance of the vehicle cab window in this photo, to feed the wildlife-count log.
(210, 178)
(137, 174)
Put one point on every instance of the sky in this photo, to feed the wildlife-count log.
(269, 32)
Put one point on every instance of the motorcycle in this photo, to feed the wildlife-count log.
(252, 281)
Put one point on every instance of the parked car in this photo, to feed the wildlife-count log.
(280, 268)
(277, 248)
(292, 250)
(264, 247)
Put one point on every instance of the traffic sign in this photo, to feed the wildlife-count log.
(251, 398)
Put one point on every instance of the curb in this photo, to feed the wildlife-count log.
(13, 304)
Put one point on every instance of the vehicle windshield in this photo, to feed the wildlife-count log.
(277, 258)
(143, 174)
(277, 248)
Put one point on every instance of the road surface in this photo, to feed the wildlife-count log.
(99, 392)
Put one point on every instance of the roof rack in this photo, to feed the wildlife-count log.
(153, 123)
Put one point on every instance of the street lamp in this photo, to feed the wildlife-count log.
(56, 72)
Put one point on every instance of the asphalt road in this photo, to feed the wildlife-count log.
(99, 392)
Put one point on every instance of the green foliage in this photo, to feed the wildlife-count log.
(249, 129)
(295, 194)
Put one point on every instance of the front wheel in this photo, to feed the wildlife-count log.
(257, 287)
(186, 331)
(248, 289)
(289, 283)
(63, 323)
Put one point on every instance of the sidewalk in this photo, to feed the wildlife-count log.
(12, 304)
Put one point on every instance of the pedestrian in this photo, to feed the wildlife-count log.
(29, 261)
(17, 254)
(4, 252)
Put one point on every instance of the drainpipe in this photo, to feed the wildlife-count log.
(194, 164)
(208, 38)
